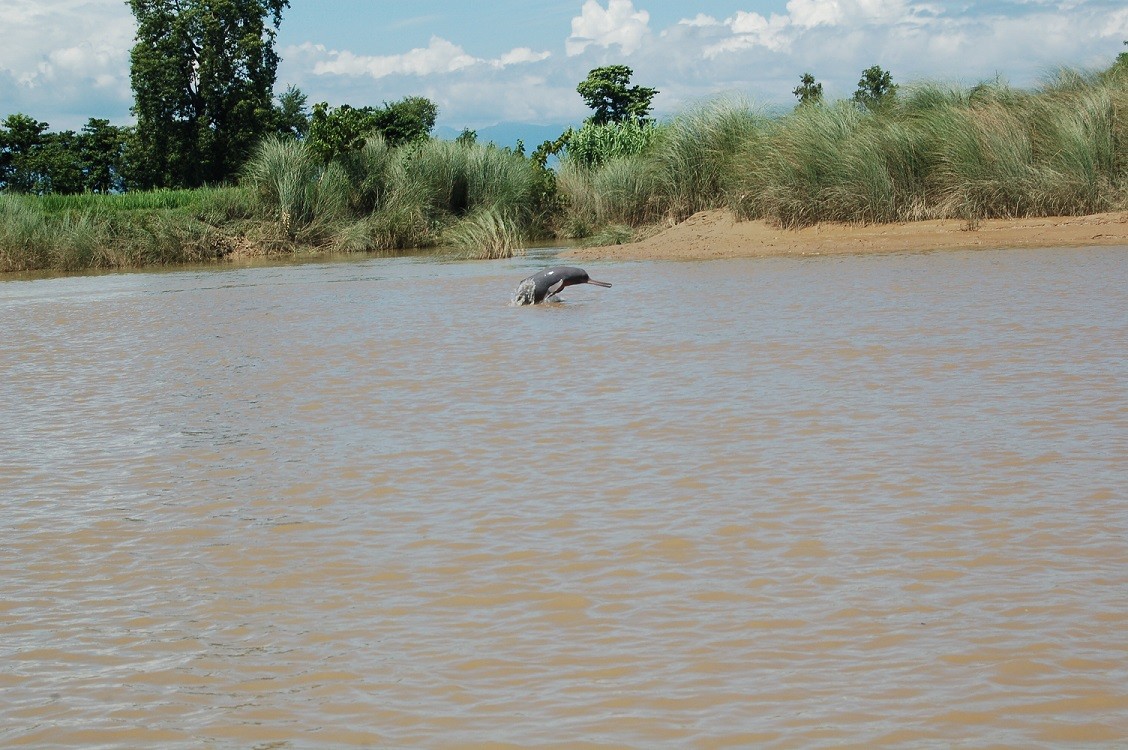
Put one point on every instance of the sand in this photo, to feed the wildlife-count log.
(718, 234)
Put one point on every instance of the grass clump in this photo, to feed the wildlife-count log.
(488, 233)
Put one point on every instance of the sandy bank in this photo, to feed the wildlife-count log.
(717, 234)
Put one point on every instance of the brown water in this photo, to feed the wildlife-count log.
(862, 501)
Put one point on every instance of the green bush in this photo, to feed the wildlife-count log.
(593, 145)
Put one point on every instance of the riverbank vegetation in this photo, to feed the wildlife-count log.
(374, 180)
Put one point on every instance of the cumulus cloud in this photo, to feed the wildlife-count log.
(807, 14)
(753, 30)
(44, 41)
(64, 61)
(619, 24)
(439, 57)
(519, 55)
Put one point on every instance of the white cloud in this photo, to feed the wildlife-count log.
(810, 13)
(519, 55)
(1117, 24)
(63, 61)
(753, 30)
(619, 24)
(439, 57)
(47, 41)
(700, 20)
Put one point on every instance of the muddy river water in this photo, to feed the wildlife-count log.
(789, 502)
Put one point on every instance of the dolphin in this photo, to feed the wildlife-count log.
(545, 284)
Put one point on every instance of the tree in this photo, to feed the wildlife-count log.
(21, 138)
(808, 91)
(58, 164)
(290, 117)
(407, 120)
(606, 91)
(203, 75)
(875, 88)
(333, 132)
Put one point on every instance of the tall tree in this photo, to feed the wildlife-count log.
(291, 120)
(102, 148)
(809, 91)
(203, 74)
(607, 90)
(875, 88)
(21, 139)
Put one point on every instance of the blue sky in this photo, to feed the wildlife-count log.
(63, 61)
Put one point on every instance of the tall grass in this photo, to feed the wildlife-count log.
(987, 152)
(488, 233)
(694, 154)
(939, 152)
(620, 191)
(70, 233)
(455, 179)
(592, 145)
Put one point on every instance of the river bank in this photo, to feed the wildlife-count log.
(718, 234)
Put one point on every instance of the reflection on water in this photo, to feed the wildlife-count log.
(782, 502)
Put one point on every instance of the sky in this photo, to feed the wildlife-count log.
(518, 61)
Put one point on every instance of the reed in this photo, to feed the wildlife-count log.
(620, 191)
(941, 152)
(303, 195)
(455, 179)
(102, 232)
(487, 234)
(694, 155)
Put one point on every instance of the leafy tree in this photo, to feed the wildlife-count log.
(202, 73)
(58, 164)
(467, 137)
(34, 160)
(808, 91)
(875, 88)
(1119, 65)
(290, 117)
(407, 120)
(607, 91)
(333, 132)
(21, 137)
(102, 152)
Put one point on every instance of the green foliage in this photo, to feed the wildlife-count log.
(458, 180)
(875, 88)
(20, 139)
(202, 73)
(989, 151)
(34, 160)
(290, 116)
(333, 132)
(594, 144)
(809, 91)
(607, 90)
(620, 191)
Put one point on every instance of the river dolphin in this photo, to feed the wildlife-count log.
(545, 284)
